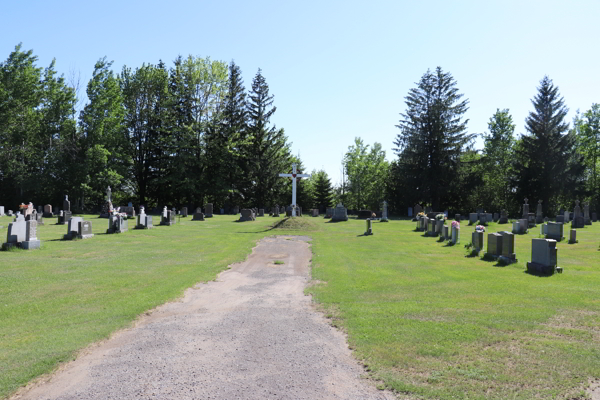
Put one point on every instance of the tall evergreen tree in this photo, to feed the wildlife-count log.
(323, 191)
(267, 153)
(547, 165)
(225, 141)
(432, 137)
(587, 128)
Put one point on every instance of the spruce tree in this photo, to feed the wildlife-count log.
(267, 152)
(323, 192)
(432, 138)
(547, 165)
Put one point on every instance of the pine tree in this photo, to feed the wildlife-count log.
(323, 192)
(267, 153)
(432, 138)
(547, 165)
(225, 139)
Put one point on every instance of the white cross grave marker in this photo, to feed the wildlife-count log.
(294, 175)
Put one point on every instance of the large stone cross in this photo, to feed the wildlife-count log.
(294, 175)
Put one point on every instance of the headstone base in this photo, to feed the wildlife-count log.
(508, 260)
(30, 245)
(534, 267)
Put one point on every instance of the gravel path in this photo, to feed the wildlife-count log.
(252, 334)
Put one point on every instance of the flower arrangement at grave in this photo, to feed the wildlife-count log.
(480, 228)
(421, 214)
(456, 224)
(116, 212)
(440, 217)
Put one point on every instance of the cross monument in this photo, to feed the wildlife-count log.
(294, 175)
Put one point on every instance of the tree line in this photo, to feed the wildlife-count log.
(437, 166)
(192, 133)
(181, 135)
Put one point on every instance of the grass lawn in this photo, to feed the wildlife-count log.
(426, 320)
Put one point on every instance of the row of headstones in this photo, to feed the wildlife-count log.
(436, 227)
(338, 213)
(502, 244)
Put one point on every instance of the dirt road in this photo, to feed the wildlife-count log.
(252, 334)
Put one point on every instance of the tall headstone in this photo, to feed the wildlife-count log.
(384, 214)
(340, 213)
(477, 241)
(573, 236)
(539, 216)
(198, 215)
(554, 230)
(526, 210)
(455, 235)
(578, 221)
(494, 245)
(543, 256)
(48, 211)
(73, 228)
(410, 211)
(586, 214)
(66, 204)
(31, 241)
(1, 211)
(184, 212)
(107, 208)
(144, 221)
(508, 247)
(208, 210)
(567, 218)
(417, 209)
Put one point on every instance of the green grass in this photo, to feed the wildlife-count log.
(426, 320)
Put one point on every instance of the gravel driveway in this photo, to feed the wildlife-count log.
(251, 334)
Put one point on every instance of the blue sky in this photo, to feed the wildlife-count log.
(337, 69)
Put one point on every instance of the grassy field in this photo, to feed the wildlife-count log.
(426, 320)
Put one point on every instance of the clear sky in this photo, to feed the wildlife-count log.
(337, 69)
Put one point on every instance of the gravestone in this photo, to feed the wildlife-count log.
(567, 218)
(117, 224)
(494, 245)
(329, 212)
(48, 211)
(416, 210)
(208, 210)
(315, 212)
(525, 214)
(531, 220)
(431, 231)
(473, 218)
(560, 218)
(508, 247)
(276, 211)
(384, 214)
(129, 210)
(439, 226)
(554, 230)
(496, 217)
(261, 212)
(198, 216)
(586, 214)
(31, 241)
(340, 213)
(503, 217)
(410, 211)
(369, 230)
(578, 221)
(445, 233)
(288, 211)
(9, 213)
(144, 221)
(73, 228)
(539, 217)
(172, 217)
(15, 234)
(543, 229)
(66, 204)
(573, 236)
(1, 211)
(477, 241)
(246, 215)
(424, 223)
(107, 208)
(455, 235)
(594, 217)
(543, 256)
(64, 217)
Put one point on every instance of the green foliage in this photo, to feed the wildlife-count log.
(323, 192)
(587, 129)
(366, 171)
(432, 139)
(547, 165)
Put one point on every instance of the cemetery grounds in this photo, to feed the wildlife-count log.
(424, 319)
